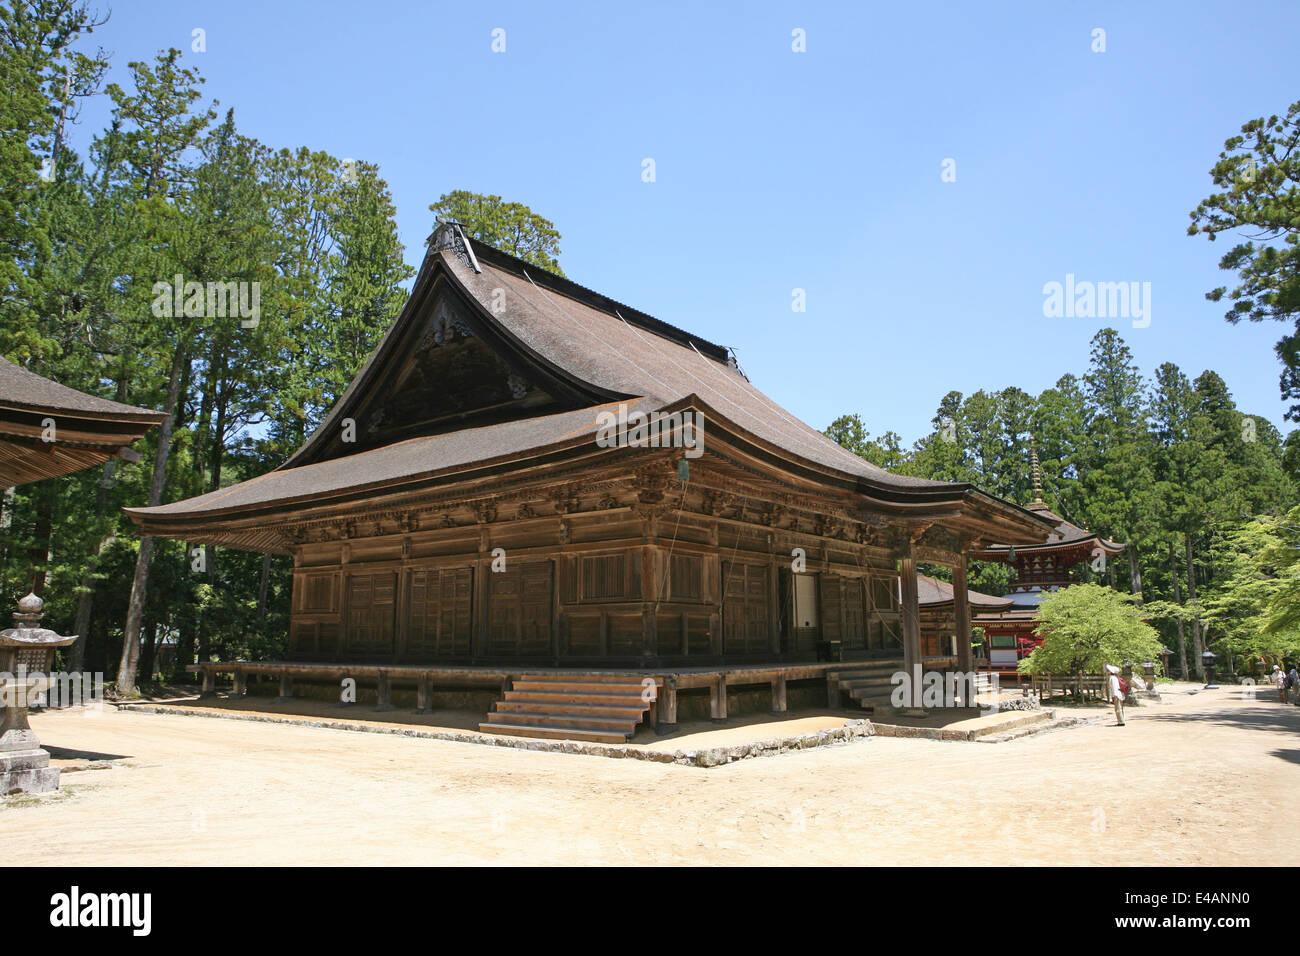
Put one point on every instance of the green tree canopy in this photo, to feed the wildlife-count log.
(1087, 626)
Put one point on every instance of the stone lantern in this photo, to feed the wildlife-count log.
(1207, 661)
(26, 652)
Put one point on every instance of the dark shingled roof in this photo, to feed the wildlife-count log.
(604, 350)
(616, 350)
(88, 430)
(932, 591)
(26, 390)
(611, 352)
(416, 459)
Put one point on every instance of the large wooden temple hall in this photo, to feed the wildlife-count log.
(461, 516)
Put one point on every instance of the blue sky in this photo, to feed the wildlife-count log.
(820, 170)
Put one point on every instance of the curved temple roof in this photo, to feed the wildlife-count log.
(87, 430)
(575, 344)
(931, 592)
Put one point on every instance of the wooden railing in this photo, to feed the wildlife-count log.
(1081, 687)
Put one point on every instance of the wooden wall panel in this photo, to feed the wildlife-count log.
(439, 612)
(519, 611)
(746, 610)
(371, 606)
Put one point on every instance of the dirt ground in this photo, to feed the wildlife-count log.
(1196, 779)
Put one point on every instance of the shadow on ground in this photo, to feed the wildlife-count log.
(67, 753)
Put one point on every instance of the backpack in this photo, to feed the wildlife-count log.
(1123, 686)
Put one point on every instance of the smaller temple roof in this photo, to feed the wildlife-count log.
(88, 430)
(932, 592)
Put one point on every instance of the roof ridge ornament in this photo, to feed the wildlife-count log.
(450, 235)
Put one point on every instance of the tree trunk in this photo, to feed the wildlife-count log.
(39, 555)
(86, 603)
(1198, 646)
(126, 671)
(1178, 599)
(1134, 571)
(86, 596)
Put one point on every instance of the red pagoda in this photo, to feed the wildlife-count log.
(1040, 569)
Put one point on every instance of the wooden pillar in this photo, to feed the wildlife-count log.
(423, 695)
(911, 613)
(961, 615)
(774, 599)
(385, 693)
(666, 718)
(778, 694)
(479, 638)
(209, 683)
(286, 687)
(241, 685)
(718, 699)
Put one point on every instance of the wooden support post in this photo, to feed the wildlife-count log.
(961, 614)
(209, 683)
(286, 688)
(666, 716)
(718, 699)
(778, 694)
(241, 685)
(832, 690)
(911, 613)
(385, 692)
(423, 695)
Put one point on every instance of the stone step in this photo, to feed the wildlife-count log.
(560, 698)
(513, 706)
(621, 689)
(614, 725)
(555, 733)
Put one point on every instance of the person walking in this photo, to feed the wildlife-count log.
(1293, 683)
(1279, 681)
(1115, 691)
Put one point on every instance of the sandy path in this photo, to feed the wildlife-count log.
(1194, 780)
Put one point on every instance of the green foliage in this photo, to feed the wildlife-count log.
(1087, 626)
(1166, 465)
(1258, 178)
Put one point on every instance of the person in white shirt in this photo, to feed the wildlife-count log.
(1279, 681)
(1114, 693)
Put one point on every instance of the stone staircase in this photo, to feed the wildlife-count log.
(601, 708)
(867, 684)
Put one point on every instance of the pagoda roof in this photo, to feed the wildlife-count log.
(88, 430)
(1066, 535)
(567, 353)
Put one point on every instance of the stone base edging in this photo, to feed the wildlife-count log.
(1030, 718)
(704, 757)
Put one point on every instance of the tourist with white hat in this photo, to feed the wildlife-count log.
(1115, 692)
